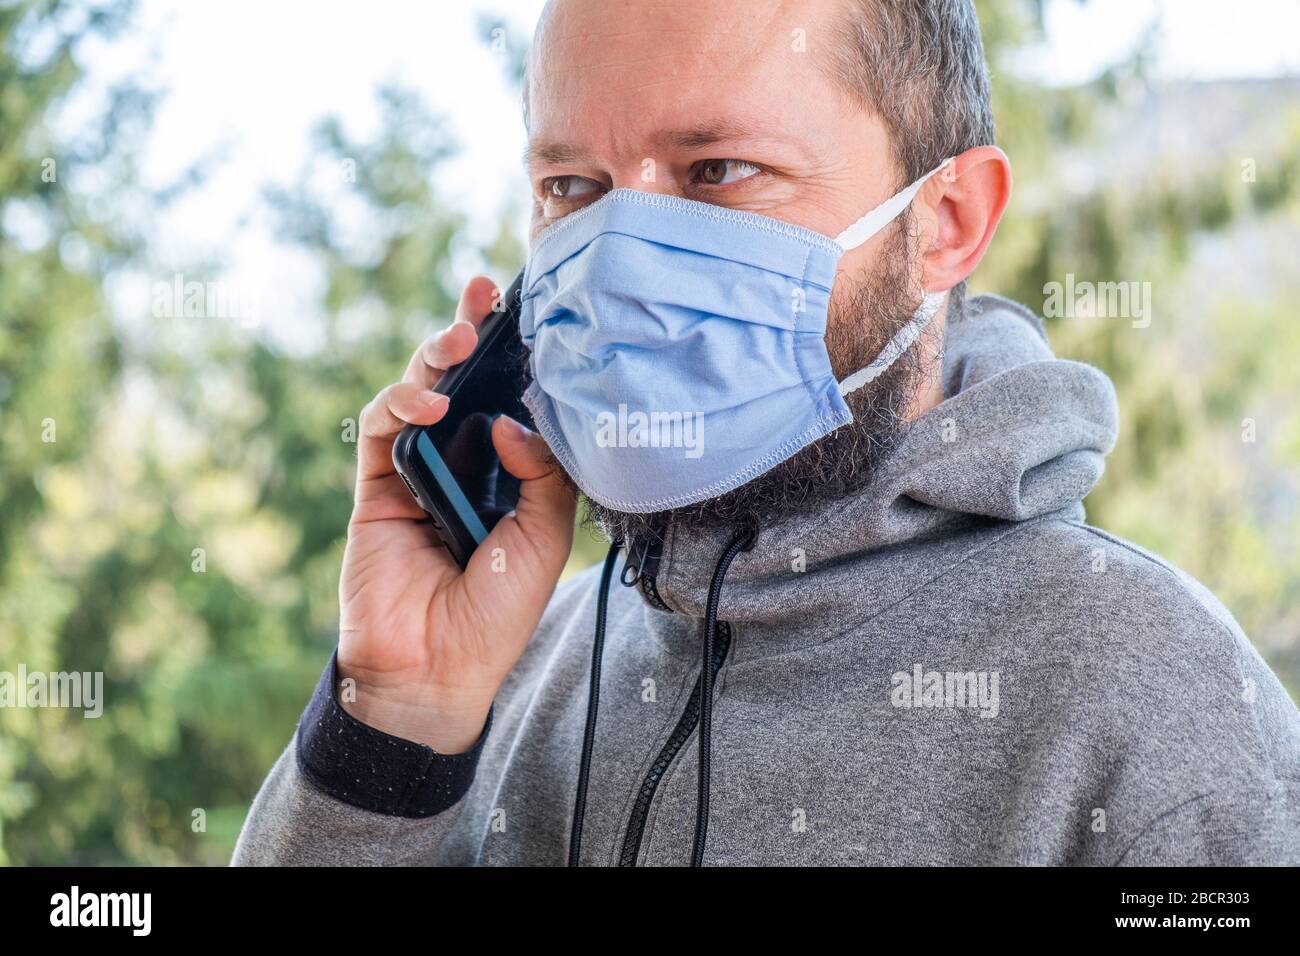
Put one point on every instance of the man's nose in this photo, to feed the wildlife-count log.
(648, 176)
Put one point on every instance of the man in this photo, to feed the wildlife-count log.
(867, 622)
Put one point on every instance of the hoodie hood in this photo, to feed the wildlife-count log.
(1020, 434)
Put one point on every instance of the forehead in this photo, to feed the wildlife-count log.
(611, 75)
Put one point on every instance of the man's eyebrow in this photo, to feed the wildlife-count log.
(554, 154)
(706, 134)
(688, 138)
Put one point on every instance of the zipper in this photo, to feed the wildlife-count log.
(676, 740)
(651, 593)
(641, 568)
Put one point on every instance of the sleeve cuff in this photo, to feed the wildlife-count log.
(375, 771)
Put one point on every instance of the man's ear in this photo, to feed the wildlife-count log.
(972, 191)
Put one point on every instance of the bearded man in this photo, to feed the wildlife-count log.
(864, 619)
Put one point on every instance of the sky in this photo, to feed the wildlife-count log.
(250, 79)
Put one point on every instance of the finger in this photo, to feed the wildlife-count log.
(454, 344)
(541, 526)
(439, 352)
(476, 300)
(383, 498)
(544, 494)
(397, 406)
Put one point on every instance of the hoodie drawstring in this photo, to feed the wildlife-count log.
(593, 704)
(742, 540)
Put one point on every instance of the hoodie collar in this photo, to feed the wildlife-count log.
(1019, 435)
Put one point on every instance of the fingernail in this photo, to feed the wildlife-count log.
(515, 429)
(432, 398)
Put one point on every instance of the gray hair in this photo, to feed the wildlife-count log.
(919, 64)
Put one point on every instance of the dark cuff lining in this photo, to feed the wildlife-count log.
(373, 770)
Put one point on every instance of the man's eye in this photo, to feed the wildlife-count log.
(723, 172)
(568, 187)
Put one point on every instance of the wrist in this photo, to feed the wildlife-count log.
(449, 722)
(371, 769)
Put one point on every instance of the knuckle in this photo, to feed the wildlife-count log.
(430, 348)
(369, 422)
(367, 412)
(376, 413)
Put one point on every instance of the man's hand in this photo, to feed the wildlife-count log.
(428, 645)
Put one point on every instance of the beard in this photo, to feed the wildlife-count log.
(861, 319)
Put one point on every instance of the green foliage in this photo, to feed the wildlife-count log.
(173, 435)
(1206, 472)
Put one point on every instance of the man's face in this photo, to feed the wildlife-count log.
(730, 103)
(719, 101)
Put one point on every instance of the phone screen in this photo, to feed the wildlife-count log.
(458, 450)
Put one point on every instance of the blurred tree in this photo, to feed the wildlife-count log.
(182, 531)
(1123, 180)
(55, 330)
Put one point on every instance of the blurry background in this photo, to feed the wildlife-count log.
(175, 471)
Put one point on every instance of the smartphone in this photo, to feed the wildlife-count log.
(451, 467)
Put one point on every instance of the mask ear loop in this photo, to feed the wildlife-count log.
(884, 214)
(899, 344)
(856, 235)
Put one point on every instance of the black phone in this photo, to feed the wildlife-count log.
(451, 467)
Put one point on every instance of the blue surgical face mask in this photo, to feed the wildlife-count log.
(678, 348)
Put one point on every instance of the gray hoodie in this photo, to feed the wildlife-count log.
(950, 667)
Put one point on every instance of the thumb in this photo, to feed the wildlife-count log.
(525, 455)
